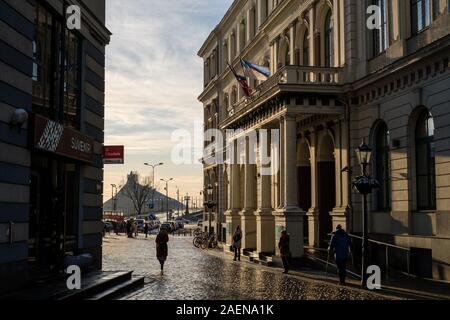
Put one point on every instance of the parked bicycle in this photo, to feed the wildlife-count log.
(205, 240)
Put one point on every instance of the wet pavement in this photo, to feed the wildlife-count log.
(193, 274)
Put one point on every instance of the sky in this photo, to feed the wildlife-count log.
(153, 79)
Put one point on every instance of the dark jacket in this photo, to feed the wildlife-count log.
(341, 244)
(284, 246)
(161, 245)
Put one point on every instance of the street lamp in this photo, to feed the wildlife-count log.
(114, 198)
(167, 195)
(210, 205)
(153, 166)
(364, 184)
(187, 198)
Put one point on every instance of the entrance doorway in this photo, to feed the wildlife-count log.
(327, 188)
(53, 214)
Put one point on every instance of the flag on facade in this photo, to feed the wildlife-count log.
(242, 81)
(255, 71)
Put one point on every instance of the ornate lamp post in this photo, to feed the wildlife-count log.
(210, 205)
(364, 184)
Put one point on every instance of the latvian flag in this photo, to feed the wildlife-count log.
(242, 81)
(255, 71)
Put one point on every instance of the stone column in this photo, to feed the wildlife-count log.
(248, 218)
(232, 215)
(341, 211)
(272, 58)
(260, 12)
(292, 43)
(336, 32)
(250, 23)
(281, 176)
(290, 216)
(312, 31)
(275, 53)
(265, 221)
(313, 213)
(230, 48)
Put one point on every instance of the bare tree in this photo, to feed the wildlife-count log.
(139, 191)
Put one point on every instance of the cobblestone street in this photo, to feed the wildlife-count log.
(193, 274)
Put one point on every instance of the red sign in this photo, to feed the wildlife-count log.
(113, 154)
(53, 137)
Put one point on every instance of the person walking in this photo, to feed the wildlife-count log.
(161, 248)
(285, 250)
(237, 237)
(128, 225)
(146, 230)
(341, 245)
(135, 229)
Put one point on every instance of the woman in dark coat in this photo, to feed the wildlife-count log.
(161, 247)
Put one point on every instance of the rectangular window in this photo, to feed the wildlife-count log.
(420, 15)
(56, 69)
(380, 36)
(71, 80)
(436, 8)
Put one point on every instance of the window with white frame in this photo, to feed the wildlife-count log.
(420, 15)
(380, 35)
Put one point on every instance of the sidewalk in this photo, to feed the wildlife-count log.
(400, 286)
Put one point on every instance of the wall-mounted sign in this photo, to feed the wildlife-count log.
(53, 137)
(113, 154)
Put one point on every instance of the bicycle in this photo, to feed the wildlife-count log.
(199, 239)
(198, 232)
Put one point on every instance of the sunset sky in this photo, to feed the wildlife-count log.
(153, 79)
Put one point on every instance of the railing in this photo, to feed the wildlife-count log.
(387, 247)
(310, 75)
(292, 75)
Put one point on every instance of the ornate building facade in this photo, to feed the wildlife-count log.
(334, 83)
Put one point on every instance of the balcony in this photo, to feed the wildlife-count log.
(311, 81)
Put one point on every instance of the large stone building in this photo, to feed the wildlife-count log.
(334, 83)
(51, 168)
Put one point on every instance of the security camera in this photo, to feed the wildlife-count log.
(18, 118)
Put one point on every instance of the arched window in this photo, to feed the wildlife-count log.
(305, 61)
(329, 41)
(381, 168)
(425, 162)
(380, 36)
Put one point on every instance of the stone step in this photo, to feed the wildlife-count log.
(96, 285)
(120, 289)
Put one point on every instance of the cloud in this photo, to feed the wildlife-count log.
(153, 77)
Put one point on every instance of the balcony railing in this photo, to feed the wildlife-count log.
(311, 77)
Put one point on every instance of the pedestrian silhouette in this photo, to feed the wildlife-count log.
(162, 249)
(285, 250)
(237, 243)
(341, 246)
(146, 230)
